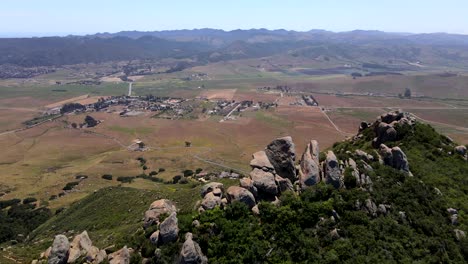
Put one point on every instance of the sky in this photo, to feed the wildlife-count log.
(25, 18)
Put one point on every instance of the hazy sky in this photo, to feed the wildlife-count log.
(61, 17)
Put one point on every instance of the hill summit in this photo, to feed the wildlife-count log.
(395, 192)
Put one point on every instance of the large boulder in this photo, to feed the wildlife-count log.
(384, 126)
(400, 161)
(332, 172)
(60, 250)
(283, 184)
(120, 257)
(355, 172)
(461, 150)
(210, 201)
(309, 174)
(282, 154)
(264, 181)
(80, 246)
(209, 187)
(363, 155)
(236, 193)
(191, 252)
(169, 229)
(248, 184)
(261, 161)
(395, 158)
(157, 208)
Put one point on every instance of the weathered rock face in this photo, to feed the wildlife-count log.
(82, 246)
(236, 193)
(157, 208)
(264, 182)
(332, 171)
(395, 158)
(384, 127)
(60, 250)
(120, 257)
(169, 229)
(400, 162)
(310, 166)
(283, 184)
(261, 161)
(210, 201)
(363, 155)
(209, 187)
(191, 252)
(248, 184)
(282, 154)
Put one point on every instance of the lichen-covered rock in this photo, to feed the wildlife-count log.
(236, 193)
(309, 166)
(264, 181)
(157, 208)
(191, 252)
(332, 171)
(282, 154)
(60, 250)
(169, 229)
(459, 234)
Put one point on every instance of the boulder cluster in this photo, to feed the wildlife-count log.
(385, 126)
(168, 229)
(80, 250)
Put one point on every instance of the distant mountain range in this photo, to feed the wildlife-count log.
(208, 45)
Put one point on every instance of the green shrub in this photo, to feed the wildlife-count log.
(176, 179)
(29, 200)
(125, 179)
(69, 186)
(107, 177)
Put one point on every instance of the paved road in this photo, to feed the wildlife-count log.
(230, 113)
(130, 88)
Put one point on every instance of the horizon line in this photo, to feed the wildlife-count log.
(84, 34)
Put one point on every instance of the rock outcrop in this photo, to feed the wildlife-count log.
(395, 158)
(261, 161)
(332, 172)
(157, 208)
(309, 173)
(384, 126)
(210, 201)
(82, 246)
(191, 252)
(461, 150)
(169, 229)
(281, 153)
(121, 256)
(60, 250)
(213, 195)
(264, 181)
(210, 187)
(236, 193)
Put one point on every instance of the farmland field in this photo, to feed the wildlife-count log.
(40, 161)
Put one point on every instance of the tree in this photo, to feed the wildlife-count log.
(407, 93)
